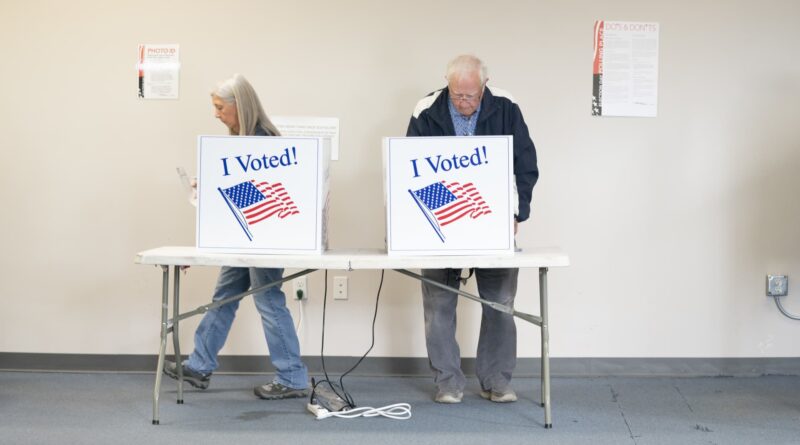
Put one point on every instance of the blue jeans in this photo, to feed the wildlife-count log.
(284, 348)
(496, 357)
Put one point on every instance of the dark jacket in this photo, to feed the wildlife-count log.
(499, 116)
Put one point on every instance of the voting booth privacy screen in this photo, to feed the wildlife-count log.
(449, 195)
(260, 194)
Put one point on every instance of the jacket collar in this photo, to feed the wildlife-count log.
(440, 111)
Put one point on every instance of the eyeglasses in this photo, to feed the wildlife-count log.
(464, 97)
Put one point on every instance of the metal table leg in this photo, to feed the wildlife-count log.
(175, 338)
(171, 326)
(548, 421)
(163, 344)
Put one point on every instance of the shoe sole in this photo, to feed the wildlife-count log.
(194, 382)
(289, 395)
(448, 399)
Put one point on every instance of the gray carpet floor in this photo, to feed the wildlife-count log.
(55, 408)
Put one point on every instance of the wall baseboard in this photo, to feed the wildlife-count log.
(418, 366)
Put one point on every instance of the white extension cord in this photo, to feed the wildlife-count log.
(300, 310)
(398, 411)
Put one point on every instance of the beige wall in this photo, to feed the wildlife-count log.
(671, 223)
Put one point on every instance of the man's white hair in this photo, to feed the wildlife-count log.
(466, 64)
(251, 114)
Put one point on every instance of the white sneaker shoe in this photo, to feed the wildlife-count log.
(506, 396)
(448, 397)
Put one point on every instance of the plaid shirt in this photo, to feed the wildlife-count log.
(465, 126)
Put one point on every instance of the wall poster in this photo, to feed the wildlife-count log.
(625, 74)
(159, 71)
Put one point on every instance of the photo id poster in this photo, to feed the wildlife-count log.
(625, 71)
(159, 71)
(449, 195)
(261, 194)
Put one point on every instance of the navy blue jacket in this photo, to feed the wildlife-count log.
(499, 116)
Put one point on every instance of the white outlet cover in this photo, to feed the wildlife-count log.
(340, 288)
(300, 284)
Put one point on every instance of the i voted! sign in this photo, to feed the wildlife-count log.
(449, 195)
(260, 194)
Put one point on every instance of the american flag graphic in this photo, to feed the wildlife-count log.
(252, 202)
(444, 203)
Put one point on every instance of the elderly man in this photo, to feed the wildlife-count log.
(468, 107)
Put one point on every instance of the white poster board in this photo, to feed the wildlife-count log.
(449, 195)
(260, 194)
(312, 127)
(625, 73)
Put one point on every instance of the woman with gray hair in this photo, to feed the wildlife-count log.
(237, 106)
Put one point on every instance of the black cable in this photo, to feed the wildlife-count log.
(324, 310)
(345, 396)
(374, 317)
(322, 352)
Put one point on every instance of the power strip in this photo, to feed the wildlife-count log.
(324, 397)
(318, 411)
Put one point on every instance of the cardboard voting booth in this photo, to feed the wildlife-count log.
(259, 194)
(449, 195)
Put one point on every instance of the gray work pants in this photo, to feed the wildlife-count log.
(497, 344)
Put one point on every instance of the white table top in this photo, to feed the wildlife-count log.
(351, 259)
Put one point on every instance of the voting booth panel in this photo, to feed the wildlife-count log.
(449, 195)
(260, 194)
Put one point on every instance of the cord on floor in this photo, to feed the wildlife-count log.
(397, 411)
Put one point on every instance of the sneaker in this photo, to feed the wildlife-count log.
(193, 378)
(274, 391)
(448, 396)
(506, 396)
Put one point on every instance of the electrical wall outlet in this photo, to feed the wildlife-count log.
(340, 288)
(300, 288)
(777, 285)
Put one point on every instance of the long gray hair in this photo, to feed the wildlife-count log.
(251, 114)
